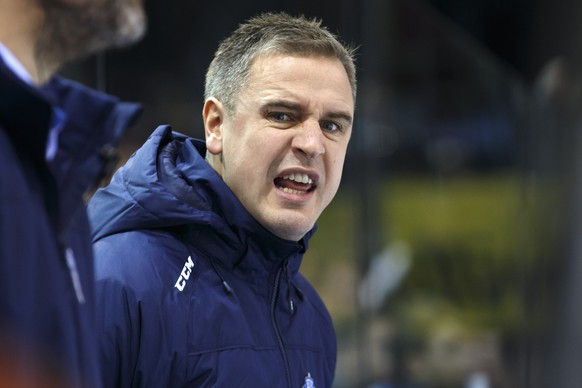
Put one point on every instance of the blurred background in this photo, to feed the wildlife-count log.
(451, 256)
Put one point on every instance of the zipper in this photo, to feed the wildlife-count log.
(75, 278)
(276, 326)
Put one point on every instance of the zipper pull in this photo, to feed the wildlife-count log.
(72, 264)
(309, 383)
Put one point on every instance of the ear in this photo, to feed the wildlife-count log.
(213, 116)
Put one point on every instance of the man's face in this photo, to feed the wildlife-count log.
(282, 151)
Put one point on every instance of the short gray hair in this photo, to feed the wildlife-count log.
(271, 33)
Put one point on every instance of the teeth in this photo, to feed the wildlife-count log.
(291, 191)
(300, 178)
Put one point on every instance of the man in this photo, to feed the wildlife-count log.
(198, 245)
(54, 135)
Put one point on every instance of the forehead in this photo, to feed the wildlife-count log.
(292, 75)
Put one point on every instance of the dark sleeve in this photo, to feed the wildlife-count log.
(119, 319)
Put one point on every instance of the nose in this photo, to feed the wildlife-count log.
(310, 139)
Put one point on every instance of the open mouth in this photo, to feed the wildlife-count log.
(296, 183)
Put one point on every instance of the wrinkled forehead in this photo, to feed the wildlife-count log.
(254, 74)
(260, 61)
(300, 79)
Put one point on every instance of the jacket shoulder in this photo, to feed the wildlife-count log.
(139, 257)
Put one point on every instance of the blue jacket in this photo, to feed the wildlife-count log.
(46, 275)
(192, 291)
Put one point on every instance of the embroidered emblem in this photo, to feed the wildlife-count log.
(308, 382)
(185, 274)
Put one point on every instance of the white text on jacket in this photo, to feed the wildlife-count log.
(186, 271)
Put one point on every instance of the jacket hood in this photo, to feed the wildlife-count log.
(168, 184)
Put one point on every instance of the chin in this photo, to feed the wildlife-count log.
(290, 232)
(128, 27)
(285, 223)
(132, 29)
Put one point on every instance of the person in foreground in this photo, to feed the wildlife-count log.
(198, 244)
(51, 134)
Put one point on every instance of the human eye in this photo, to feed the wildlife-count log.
(279, 117)
(331, 127)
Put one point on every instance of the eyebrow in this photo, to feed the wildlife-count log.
(342, 116)
(300, 108)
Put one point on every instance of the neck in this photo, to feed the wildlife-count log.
(20, 27)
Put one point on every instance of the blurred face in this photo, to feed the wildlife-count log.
(282, 151)
(75, 28)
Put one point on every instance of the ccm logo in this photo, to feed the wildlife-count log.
(185, 274)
